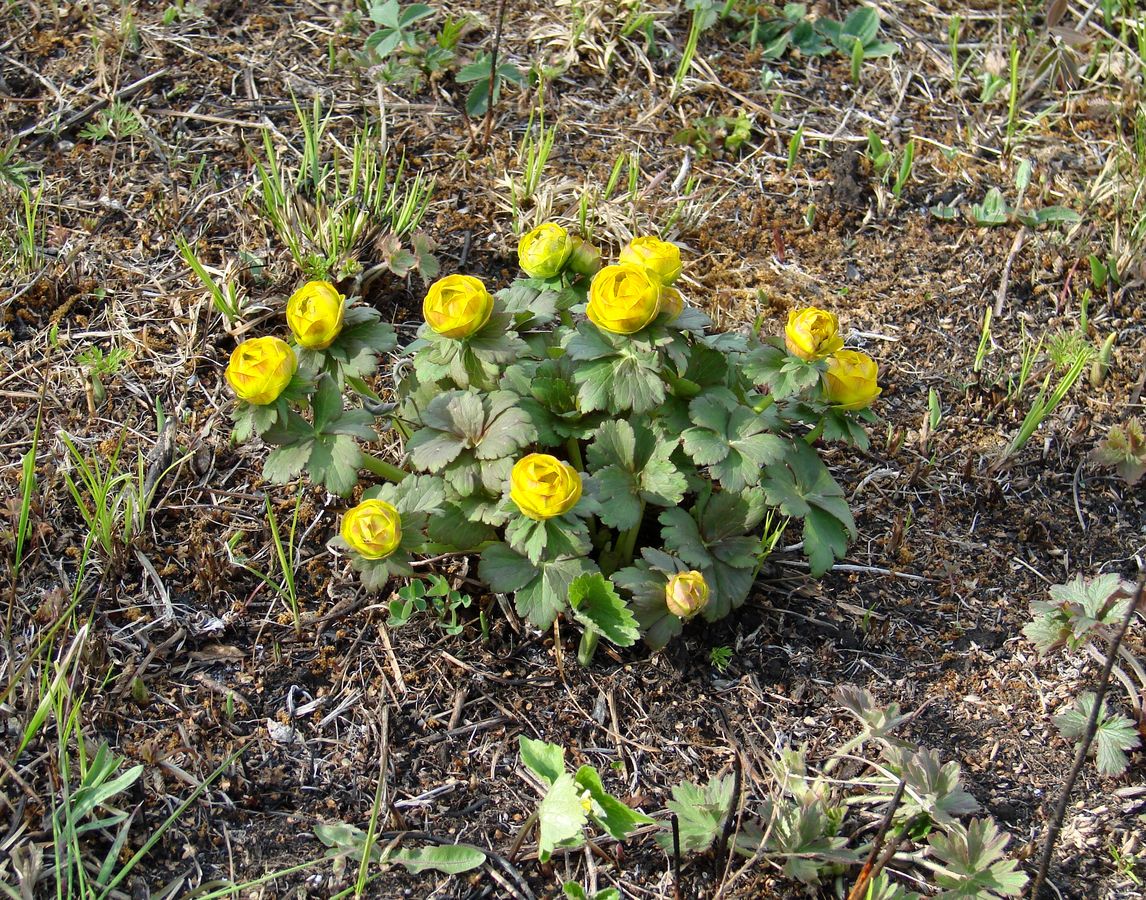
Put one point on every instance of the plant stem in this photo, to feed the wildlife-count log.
(627, 542)
(814, 435)
(587, 648)
(574, 450)
(383, 469)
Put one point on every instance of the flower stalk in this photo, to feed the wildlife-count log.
(383, 469)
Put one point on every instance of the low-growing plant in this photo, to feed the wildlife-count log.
(804, 828)
(1124, 449)
(856, 38)
(1083, 615)
(572, 802)
(715, 135)
(433, 594)
(332, 205)
(607, 459)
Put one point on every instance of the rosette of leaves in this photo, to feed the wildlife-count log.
(549, 395)
(418, 498)
(353, 355)
(325, 447)
(474, 361)
(472, 439)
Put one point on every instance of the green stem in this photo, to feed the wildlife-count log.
(587, 648)
(627, 542)
(400, 427)
(383, 469)
(814, 435)
(574, 450)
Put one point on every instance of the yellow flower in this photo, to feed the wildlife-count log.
(686, 594)
(812, 333)
(457, 306)
(260, 369)
(623, 299)
(659, 257)
(544, 486)
(671, 302)
(314, 313)
(373, 529)
(542, 252)
(850, 381)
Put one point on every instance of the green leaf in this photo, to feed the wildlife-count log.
(705, 447)
(783, 375)
(617, 819)
(598, 608)
(561, 816)
(647, 587)
(504, 570)
(629, 381)
(974, 863)
(546, 761)
(326, 403)
(825, 540)
(453, 527)
(432, 451)
(334, 462)
(619, 498)
(701, 813)
(613, 444)
(540, 591)
(451, 859)
(545, 598)
(283, 464)
(1115, 734)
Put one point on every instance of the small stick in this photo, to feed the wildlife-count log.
(869, 870)
(1087, 738)
(493, 70)
(676, 858)
(1004, 282)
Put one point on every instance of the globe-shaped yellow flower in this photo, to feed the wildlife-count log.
(542, 253)
(623, 299)
(544, 486)
(457, 306)
(659, 257)
(850, 382)
(373, 529)
(686, 594)
(260, 369)
(812, 333)
(314, 313)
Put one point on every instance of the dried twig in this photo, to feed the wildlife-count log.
(874, 862)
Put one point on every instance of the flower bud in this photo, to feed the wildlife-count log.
(812, 333)
(542, 253)
(314, 313)
(659, 257)
(671, 302)
(260, 369)
(373, 529)
(623, 299)
(544, 486)
(585, 258)
(457, 306)
(686, 594)
(850, 382)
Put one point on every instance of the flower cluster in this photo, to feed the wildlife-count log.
(579, 430)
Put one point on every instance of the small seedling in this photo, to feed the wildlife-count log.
(436, 595)
(721, 658)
